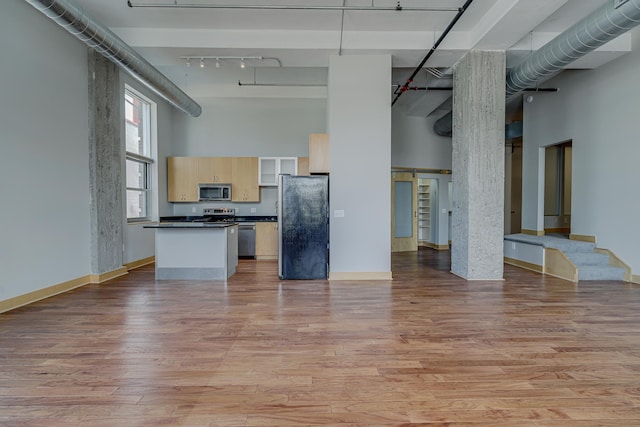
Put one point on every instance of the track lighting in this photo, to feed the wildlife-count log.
(243, 60)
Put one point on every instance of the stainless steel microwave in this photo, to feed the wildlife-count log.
(211, 192)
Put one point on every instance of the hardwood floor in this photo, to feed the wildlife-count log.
(426, 349)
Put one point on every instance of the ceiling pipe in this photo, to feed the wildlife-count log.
(397, 8)
(420, 88)
(401, 89)
(598, 28)
(105, 42)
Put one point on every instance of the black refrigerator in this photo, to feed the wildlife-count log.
(303, 227)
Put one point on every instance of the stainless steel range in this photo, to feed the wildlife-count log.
(246, 230)
(219, 214)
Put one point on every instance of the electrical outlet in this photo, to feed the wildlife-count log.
(253, 210)
(193, 210)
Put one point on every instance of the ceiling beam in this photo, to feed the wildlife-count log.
(510, 20)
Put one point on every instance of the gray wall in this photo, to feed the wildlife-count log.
(597, 110)
(414, 144)
(45, 238)
(44, 166)
(250, 127)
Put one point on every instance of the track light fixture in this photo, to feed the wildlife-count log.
(243, 60)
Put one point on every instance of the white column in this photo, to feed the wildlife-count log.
(359, 126)
(443, 210)
(478, 166)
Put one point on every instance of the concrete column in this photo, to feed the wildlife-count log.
(106, 172)
(478, 166)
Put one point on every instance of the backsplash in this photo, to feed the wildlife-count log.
(267, 205)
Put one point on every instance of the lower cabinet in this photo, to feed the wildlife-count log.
(266, 240)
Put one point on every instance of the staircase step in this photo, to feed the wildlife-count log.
(591, 272)
(586, 258)
(571, 246)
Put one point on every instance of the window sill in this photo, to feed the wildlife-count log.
(141, 222)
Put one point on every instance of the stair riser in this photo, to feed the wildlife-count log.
(588, 259)
(600, 273)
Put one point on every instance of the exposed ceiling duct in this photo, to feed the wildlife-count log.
(105, 42)
(397, 8)
(600, 27)
(616, 17)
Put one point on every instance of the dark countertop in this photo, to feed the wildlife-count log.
(185, 224)
(257, 218)
(202, 219)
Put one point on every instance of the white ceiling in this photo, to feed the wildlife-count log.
(307, 38)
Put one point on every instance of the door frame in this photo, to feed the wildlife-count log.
(404, 244)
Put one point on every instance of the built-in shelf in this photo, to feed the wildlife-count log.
(424, 210)
(270, 167)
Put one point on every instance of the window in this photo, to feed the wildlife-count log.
(138, 156)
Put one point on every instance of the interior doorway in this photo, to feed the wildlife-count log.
(404, 212)
(557, 188)
(513, 187)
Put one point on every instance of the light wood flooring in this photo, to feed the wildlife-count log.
(426, 349)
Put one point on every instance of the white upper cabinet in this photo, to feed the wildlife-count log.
(270, 167)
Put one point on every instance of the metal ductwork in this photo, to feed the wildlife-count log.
(603, 25)
(616, 17)
(105, 42)
(444, 125)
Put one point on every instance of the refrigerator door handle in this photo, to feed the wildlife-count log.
(279, 213)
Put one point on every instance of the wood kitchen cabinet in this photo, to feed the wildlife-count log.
(182, 179)
(303, 166)
(245, 179)
(319, 153)
(266, 240)
(214, 169)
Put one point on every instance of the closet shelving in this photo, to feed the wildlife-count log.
(424, 210)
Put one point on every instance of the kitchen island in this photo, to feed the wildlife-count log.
(195, 250)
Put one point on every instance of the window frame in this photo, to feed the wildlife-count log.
(146, 161)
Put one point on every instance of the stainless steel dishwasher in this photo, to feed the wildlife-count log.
(246, 240)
